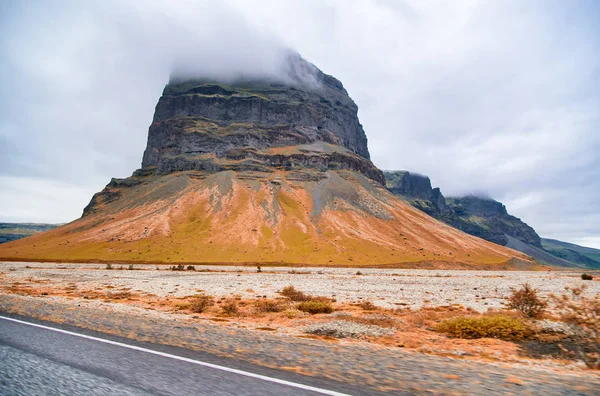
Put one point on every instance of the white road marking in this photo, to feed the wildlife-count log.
(183, 359)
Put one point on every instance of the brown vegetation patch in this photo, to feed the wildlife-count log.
(201, 303)
(527, 301)
(315, 307)
(499, 326)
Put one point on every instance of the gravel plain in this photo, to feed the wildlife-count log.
(387, 288)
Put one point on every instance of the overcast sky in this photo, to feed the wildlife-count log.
(495, 97)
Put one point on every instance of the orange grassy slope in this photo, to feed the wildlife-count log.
(281, 217)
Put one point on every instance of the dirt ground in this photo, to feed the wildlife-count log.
(391, 308)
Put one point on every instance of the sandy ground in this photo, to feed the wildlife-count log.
(391, 288)
(424, 298)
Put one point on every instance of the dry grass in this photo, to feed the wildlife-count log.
(294, 294)
(368, 305)
(230, 307)
(527, 301)
(499, 326)
(315, 307)
(201, 303)
(118, 295)
(266, 305)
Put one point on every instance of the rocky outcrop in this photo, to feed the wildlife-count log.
(409, 184)
(491, 220)
(308, 122)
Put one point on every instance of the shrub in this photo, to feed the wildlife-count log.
(230, 307)
(293, 313)
(582, 315)
(109, 266)
(358, 273)
(258, 269)
(201, 303)
(179, 267)
(191, 268)
(587, 277)
(293, 294)
(130, 267)
(118, 295)
(315, 307)
(265, 305)
(527, 301)
(496, 326)
(368, 305)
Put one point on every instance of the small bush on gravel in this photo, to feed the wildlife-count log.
(527, 301)
(315, 307)
(582, 315)
(191, 268)
(201, 303)
(118, 295)
(293, 313)
(109, 266)
(294, 294)
(266, 305)
(587, 277)
(368, 305)
(230, 307)
(496, 326)
(130, 267)
(179, 267)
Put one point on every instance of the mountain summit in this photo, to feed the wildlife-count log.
(254, 171)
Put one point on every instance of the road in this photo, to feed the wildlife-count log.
(40, 358)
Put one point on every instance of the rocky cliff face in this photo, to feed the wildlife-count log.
(308, 123)
(492, 220)
(481, 217)
(409, 184)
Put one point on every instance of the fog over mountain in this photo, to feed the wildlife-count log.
(494, 98)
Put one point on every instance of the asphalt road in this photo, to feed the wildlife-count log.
(35, 360)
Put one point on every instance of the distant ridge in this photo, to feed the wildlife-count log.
(13, 231)
(489, 219)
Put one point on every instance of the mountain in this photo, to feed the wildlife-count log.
(573, 253)
(488, 219)
(13, 231)
(478, 216)
(274, 170)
